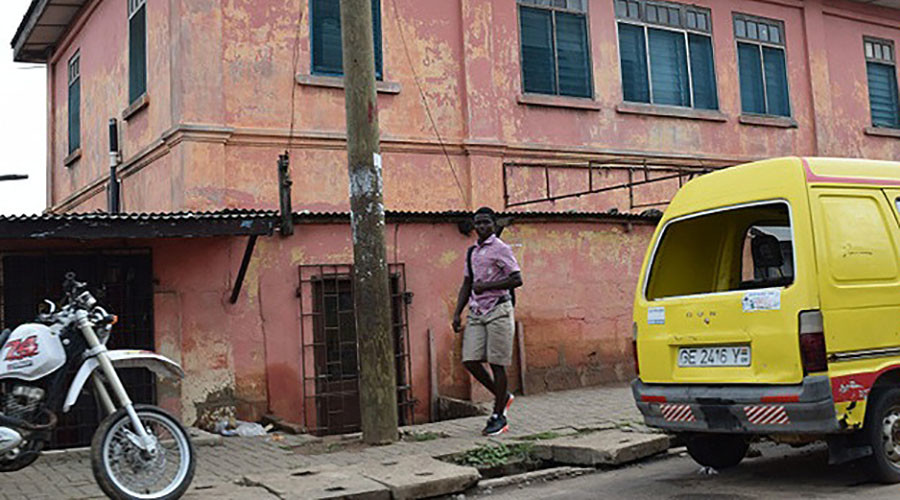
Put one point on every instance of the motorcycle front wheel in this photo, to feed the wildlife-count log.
(124, 471)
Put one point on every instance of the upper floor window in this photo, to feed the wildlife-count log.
(74, 73)
(762, 67)
(665, 50)
(882, 73)
(327, 52)
(555, 55)
(137, 49)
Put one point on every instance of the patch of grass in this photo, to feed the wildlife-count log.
(422, 436)
(493, 455)
(540, 436)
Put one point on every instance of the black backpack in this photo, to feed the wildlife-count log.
(512, 291)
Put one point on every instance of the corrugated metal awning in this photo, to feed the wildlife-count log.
(43, 26)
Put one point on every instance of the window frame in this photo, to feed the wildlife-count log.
(585, 12)
(762, 63)
(379, 72)
(133, 7)
(886, 62)
(652, 259)
(73, 73)
(645, 26)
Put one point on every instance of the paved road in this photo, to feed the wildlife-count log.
(781, 472)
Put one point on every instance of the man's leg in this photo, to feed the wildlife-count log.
(476, 368)
(500, 386)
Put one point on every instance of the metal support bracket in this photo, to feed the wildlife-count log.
(245, 263)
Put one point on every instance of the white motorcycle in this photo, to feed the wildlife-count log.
(138, 451)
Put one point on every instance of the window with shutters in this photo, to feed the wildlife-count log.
(882, 74)
(761, 66)
(137, 49)
(555, 47)
(74, 102)
(666, 54)
(327, 52)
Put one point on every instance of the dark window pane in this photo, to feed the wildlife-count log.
(74, 115)
(572, 55)
(703, 72)
(633, 58)
(137, 54)
(668, 68)
(538, 71)
(752, 98)
(376, 33)
(327, 52)
(776, 82)
(882, 94)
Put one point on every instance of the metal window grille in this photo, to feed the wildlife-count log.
(122, 281)
(329, 348)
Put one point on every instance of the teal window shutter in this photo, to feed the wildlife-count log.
(538, 68)
(74, 115)
(777, 99)
(633, 58)
(137, 54)
(668, 68)
(882, 94)
(327, 50)
(752, 94)
(703, 72)
(572, 55)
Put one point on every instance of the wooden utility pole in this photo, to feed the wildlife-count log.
(371, 293)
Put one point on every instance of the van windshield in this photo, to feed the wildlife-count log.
(737, 249)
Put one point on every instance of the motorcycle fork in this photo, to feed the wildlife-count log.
(112, 378)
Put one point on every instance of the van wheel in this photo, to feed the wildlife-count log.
(719, 451)
(882, 432)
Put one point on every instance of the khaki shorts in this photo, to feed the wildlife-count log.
(489, 337)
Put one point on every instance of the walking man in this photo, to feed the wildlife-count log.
(491, 273)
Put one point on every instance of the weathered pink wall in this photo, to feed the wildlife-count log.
(228, 69)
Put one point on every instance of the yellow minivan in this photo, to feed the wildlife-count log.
(769, 305)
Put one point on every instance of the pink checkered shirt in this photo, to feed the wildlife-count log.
(492, 260)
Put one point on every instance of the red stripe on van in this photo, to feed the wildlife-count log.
(653, 399)
(790, 398)
(813, 177)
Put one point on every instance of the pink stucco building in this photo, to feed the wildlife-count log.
(516, 104)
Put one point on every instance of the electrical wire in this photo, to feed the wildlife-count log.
(434, 127)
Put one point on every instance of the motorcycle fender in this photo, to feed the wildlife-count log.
(158, 364)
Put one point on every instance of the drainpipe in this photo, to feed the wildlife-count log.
(113, 189)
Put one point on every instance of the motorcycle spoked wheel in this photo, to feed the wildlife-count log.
(124, 471)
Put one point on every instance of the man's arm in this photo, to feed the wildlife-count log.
(465, 290)
(514, 280)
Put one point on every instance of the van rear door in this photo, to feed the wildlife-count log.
(721, 299)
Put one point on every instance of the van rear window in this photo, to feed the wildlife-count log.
(743, 248)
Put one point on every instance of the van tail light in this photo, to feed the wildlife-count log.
(637, 368)
(812, 342)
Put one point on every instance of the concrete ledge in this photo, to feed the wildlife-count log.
(671, 111)
(602, 448)
(421, 476)
(198, 437)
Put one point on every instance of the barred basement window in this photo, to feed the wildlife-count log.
(882, 74)
(761, 65)
(137, 49)
(75, 102)
(666, 54)
(327, 52)
(555, 48)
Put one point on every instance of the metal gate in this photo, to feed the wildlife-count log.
(329, 359)
(122, 281)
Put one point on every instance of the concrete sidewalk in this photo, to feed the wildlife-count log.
(219, 466)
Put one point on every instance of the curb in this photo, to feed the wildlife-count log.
(486, 485)
(198, 438)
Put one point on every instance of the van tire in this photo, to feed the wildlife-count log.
(883, 409)
(719, 451)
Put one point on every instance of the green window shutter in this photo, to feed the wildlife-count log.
(633, 58)
(703, 72)
(572, 55)
(882, 94)
(376, 31)
(752, 98)
(776, 82)
(668, 68)
(538, 69)
(327, 57)
(74, 115)
(137, 54)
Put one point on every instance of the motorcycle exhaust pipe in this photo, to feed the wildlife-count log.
(28, 426)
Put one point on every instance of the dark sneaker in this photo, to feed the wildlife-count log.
(496, 425)
(509, 401)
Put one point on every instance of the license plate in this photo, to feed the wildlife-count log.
(714, 356)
